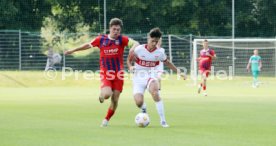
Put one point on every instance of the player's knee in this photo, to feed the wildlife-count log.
(154, 92)
(139, 99)
(139, 104)
(107, 95)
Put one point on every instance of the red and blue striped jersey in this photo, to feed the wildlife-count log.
(206, 61)
(111, 52)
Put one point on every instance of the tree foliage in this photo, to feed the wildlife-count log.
(253, 18)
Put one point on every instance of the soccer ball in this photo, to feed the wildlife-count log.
(142, 120)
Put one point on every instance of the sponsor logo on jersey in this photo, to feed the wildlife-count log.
(111, 51)
(146, 63)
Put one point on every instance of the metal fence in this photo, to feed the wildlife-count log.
(25, 51)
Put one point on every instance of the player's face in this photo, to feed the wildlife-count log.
(115, 31)
(256, 52)
(152, 42)
(205, 45)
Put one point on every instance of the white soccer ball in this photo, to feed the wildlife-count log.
(56, 58)
(142, 120)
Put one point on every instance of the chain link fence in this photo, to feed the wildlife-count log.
(25, 51)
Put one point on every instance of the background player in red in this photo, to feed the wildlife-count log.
(205, 63)
(111, 63)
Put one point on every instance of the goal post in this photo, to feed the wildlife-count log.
(235, 53)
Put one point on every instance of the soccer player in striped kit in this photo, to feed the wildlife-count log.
(111, 63)
(205, 63)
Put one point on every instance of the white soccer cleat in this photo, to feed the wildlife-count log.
(257, 85)
(104, 123)
(199, 89)
(204, 93)
(254, 86)
(164, 124)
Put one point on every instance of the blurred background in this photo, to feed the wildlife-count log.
(30, 28)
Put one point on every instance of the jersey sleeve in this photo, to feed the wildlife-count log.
(130, 43)
(249, 61)
(135, 52)
(163, 56)
(212, 52)
(125, 41)
(95, 42)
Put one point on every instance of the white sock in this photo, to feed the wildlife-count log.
(160, 110)
(144, 108)
(159, 92)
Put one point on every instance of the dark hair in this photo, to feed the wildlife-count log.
(205, 40)
(155, 33)
(115, 21)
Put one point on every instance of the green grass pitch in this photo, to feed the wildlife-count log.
(39, 112)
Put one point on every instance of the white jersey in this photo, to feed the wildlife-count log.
(147, 60)
(145, 67)
(160, 67)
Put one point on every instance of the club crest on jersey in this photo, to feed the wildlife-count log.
(104, 44)
(156, 57)
(117, 42)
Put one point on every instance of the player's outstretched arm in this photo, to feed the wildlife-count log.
(248, 65)
(173, 67)
(83, 47)
(132, 43)
(260, 65)
(214, 56)
(130, 59)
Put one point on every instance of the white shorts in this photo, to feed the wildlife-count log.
(159, 74)
(140, 84)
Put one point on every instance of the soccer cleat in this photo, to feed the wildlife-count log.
(101, 99)
(164, 124)
(199, 89)
(143, 110)
(205, 93)
(104, 123)
(257, 84)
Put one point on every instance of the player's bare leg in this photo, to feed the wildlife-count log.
(154, 91)
(139, 101)
(112, 108)
(204, 83)
(106, 92)
(114, 100)
(200, 85)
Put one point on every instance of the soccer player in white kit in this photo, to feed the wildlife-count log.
(147, 57)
